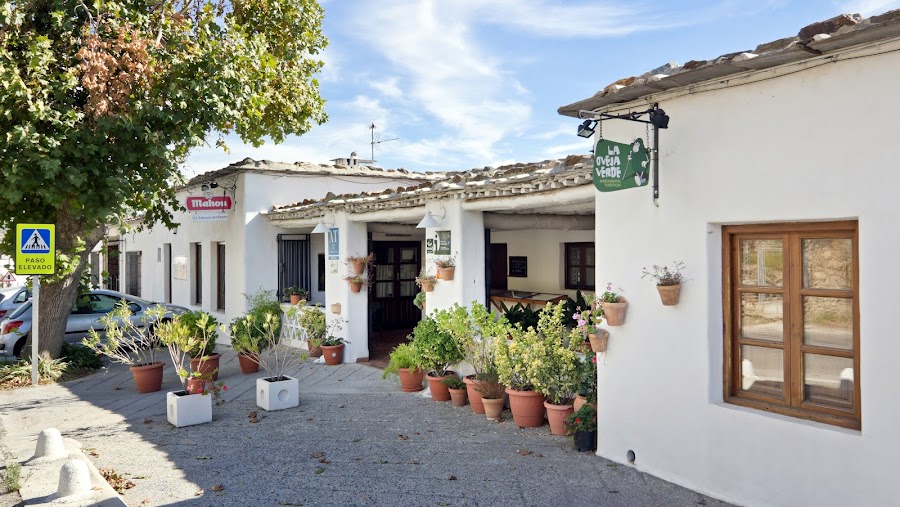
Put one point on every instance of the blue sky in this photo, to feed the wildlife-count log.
(474, 83)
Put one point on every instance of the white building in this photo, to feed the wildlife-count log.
(772, 381)
(225, 247)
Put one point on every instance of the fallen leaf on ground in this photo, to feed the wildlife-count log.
(252, 414)
(147, 420)
(319, 470)
(203, 457)
(324, 461)
(524, 452)
(356, 440)
(340, 406)
(217, 488)
(317, 454)
(117, 388)
(402, 437)
(452, 477)
(414, 462)
(94, 453)
(118, 483)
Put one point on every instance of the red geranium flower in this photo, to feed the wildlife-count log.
(577, 420)
(594, 359)
(224, 388)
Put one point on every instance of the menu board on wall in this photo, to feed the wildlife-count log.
(518, 266)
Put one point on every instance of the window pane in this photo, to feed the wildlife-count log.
(828, 322)
(828, 263)
(574, 256)
(589, 277)
(828, 381)
(762, 317)
(384, 289)
(408, 289)
(408, 271)
(574, 277)
(762, 262)
(589, 256)
(762, 370)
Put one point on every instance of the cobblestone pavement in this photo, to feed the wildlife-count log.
(354, 440)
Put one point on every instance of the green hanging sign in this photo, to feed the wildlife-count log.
(618, 166)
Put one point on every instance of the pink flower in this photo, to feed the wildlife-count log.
(225, 388)
(594, 359)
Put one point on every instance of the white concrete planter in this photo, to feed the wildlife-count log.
(184, 409)
(277, 395)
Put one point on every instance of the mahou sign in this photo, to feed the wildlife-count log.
(217, 203)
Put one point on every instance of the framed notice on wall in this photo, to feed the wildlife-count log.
(518, 266)
(179, 267)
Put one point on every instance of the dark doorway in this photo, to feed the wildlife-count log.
(498, 266)
(112, 266)
(397, 263)
(293, 262)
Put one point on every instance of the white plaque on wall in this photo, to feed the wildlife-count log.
(179, 267)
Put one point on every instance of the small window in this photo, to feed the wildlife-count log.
(792, 320)
(133, 270)
(198, 274)
(580, 266)
(220, 277)
(321, 272)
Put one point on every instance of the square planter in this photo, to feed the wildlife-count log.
(184, 409)
(277, 395)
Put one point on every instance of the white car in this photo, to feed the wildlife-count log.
(11, 299)
(85, 316)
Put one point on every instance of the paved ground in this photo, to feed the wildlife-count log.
(355, 440)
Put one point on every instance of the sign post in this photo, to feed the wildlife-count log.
(35, 255)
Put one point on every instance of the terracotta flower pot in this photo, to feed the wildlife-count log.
(208, 364)
(585, 441)
(148, 377)
(358, 267)
(334, 354)
(195, 385)
(493, 408)
(599, 341)
(439, 391)
(446, 273)
(579, 402)
(249, 363)
(427, 285)
(411, 379)
(295, 299)
(313, 351)
(615, 312)
(355, 286)
(474, 395)
(557, 414)
(669, 294)
(527, 408)
(458, 397)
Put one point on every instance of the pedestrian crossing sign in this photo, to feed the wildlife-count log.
(35, 249)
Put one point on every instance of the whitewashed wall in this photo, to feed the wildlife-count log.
(815, 145)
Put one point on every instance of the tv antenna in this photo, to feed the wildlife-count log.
(376, 140)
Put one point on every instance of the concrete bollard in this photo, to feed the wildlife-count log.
(50, 445)
(74, 479)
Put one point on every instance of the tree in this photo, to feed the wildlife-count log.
(101, 102)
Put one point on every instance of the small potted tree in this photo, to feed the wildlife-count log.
(457, 390)
(296, 294)
(425, 280)
(333, 344)
(435, 351)
(614, 306)
(128, 343)
(247, 336)
(446, 267)
(403, 364)
(277, 390)
(204, 358)
(359, 264)
(313, 321)
(492, 393)
(582, 425)
(668, 282)
(556, 363)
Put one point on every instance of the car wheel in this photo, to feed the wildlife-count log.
(17, 348)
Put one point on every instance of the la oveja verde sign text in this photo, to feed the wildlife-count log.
(618, 166)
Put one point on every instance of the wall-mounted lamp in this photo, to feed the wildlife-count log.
(322, 227)
(429, 221)
(209, 186)
(586, 129)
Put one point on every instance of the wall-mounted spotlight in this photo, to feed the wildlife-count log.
(322, 227)
(586, 130)
(428, 220)
(658, 118)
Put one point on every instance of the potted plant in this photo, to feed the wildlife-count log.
(193, 403)
(313, 321)
(296, 294)
(435, 351)
(356, 282)
(247, 335)
(446, 267)
(587, 323)
(582, 425)
(457, 390)
(127, 343)
(587, 390)
(556, 370)
(333, 344)
(614, 306)
(403, 364)
(668, 282)
(516, 360)
(277, 390)
(419, 300)
(522, 316)
(425, 281)
(492, 394)
(360, 263)
(476, 330)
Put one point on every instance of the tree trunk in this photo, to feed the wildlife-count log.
(58, 293)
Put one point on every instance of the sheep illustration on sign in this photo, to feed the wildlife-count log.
(618, 166)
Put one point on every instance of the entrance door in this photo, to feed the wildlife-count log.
(293, 262)
(397, 263)
(498, 267)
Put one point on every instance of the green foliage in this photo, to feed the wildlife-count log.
(572, 307)
(521, 316)
(19, 373)
(454, 382)
(184, 336)
(489, 386)
(609, 296)
(332, 337)
(202, 328)
(665, 276)
(419, 300)
(80, 358)
(403, 356)
(12, 476)
(435, 349)
(583, 419)
(295, 291)
(588, 384)
(125, 340)
(247, 334)
(314, 321)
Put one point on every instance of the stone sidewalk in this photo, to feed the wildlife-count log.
(354, 440)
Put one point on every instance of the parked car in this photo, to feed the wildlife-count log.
(85, 315)
(12, 298)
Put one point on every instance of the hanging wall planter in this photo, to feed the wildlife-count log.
(355, 282)
(615, 312)
(669, 294)
(599, 340)
(668, 282)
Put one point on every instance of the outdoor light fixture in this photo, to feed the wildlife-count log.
(322, 227)
(429, 221)
(586, 130)
(659, 118)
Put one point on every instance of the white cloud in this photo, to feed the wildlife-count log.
(868, 7)
(387, 87)
(583, 146)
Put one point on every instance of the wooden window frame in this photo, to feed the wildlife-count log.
(792, 235)
(584, 245)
